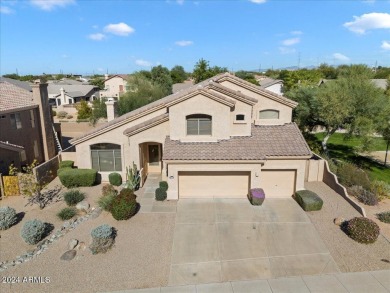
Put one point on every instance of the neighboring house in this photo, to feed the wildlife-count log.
(176, 87)
(26, 125)
(270, 84)
(114, 86)
(379, 83)
(218, 138)
(70, 92)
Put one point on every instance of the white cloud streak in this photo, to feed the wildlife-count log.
(286, 50)
(368, 21)
(258, 1)
(6, 10)
(341, 57)
(184, 43)
(296, 33)
(144, 63)
(49, 5)
(119, 29)
(385, 45)
(97, 37)
(290, 42)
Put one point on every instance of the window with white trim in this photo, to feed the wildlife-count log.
(106, 157)
(199, 124)
(269, 114)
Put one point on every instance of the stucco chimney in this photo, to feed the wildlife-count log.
(41, 98)
(62, 91)
(111, 109)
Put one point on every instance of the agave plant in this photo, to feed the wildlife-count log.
(133, 177)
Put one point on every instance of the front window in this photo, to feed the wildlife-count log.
(106, 157)
(269, 114)
(240, 117)
(16, 123)
(199, 124)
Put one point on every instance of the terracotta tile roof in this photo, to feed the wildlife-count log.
(267, 141)
(13, 97)
(147, 124)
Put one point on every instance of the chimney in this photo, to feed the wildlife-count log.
(106, 76)
(41, 98)
(63, 100)
(111, 109)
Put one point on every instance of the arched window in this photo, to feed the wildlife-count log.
(199, 124)
(106, 157)
(269, 114)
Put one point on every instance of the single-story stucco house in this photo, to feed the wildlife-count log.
(218, 138)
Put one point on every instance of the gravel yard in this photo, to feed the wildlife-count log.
(349, 255)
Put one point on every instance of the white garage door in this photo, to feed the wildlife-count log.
(278, 183)
(213, 184)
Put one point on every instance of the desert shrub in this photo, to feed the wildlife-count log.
(331, 163)
(163, 185)
(67, 213)
(53, 113)
(66, 164)
(77, 177)
(308, 200)
(123, 207)
(33, 231)
(7, 217)
(73, 197)
(349, 175)
(115, 179)
(108, 189)
(69, 116)
(105, 201)
(103, 237)
(128, 193)
(62, 114)
(384, 217)
(381, 189)
(362, 230)
(161, 194)
(365, 196)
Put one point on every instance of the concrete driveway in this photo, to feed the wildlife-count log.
(219, 240)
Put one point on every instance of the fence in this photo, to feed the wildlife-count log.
(47, 171)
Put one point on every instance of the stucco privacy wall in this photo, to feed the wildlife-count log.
(175, 168)
(116, 136)
(199, 105)
(285, 112)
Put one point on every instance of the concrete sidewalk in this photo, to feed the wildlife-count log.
(373, 282)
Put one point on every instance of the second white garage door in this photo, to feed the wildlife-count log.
(278, 183)
(213, 184)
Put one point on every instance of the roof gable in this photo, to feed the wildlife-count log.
(13, 97)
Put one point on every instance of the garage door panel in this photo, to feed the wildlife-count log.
(213, 184)
(278, 183)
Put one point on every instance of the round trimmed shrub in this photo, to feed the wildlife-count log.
(163, 184)
(103, 231)
(115, 179)
(7, 217)
(67, 213)
(384, 217)
(123, 207)
(66, 164)
(362, 230)
(33, 231)
(161, 194)
(73, 197)
(128, 193)
(103, 237)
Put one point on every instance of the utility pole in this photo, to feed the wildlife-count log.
(299, 60)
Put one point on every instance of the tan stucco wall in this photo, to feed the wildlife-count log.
(199, 105)
(275, 88)
(285, 112)
(112, 86)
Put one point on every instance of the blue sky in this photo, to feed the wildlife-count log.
(86, 36)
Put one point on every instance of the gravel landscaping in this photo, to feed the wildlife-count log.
(349, 255)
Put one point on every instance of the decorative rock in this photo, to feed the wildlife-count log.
(83, 206)
(339, 221)
(69, 255)
(72, 244)
(96, 213)
(81, 246)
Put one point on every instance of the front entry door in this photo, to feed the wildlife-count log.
(154, 158)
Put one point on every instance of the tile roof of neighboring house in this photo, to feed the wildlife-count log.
(266, 82)
(84, 89)
(74, 94)
(14, 97)
(146, 124)
(68, 82)
(266, 142)
(159, 104)
(22, 84)
(10, 146)
(123, 76)
(182, 86)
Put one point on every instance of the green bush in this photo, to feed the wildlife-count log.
(308, 200)
(77, 177)
(103, 238)
(128, 193)
(61, 114)
(67, 213)
(108, 189)
(105, 201)
(73, 197)
(161, 194)
(7, 217)
(163, 185)
(33, 231)
(66, 164)
(362, 230)
(349, 175)
(123, 207)
(384, 217)
(365, 196)
(381, 189)
(115, 179)
(53, 113)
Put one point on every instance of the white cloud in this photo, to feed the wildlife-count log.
(97, 37)
(290, 42)
(296, 33)
(119, 29)
(95, 26)
(385, 45)
(6, 10)
(341, 57)
(258, 1)
(184, 43)
(180, 2)
(286, 50)
(144, 63)
(369, 21)
(49, 5)
(64, 56)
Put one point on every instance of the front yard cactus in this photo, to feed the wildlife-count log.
(133, 177)
(256, 196)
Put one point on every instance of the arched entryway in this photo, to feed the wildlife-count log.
(150, 158)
